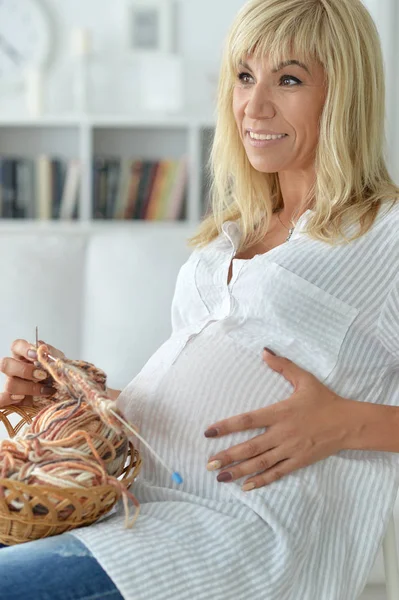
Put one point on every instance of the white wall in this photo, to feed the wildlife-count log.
(201, 28)
(386, 16)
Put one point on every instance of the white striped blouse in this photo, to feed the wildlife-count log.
(315, 533)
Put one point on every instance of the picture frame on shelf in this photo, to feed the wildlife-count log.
(149, 26)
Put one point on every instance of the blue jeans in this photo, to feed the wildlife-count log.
(54, 568)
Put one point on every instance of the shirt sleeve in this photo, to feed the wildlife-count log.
(388, 323)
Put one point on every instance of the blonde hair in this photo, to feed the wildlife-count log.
(351, 174)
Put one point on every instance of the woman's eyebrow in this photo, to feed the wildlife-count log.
(287, 63)
(244, 65)
(282, 65)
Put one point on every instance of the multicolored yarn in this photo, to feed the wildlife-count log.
(75, 440)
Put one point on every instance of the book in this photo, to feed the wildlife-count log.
(57, 185)
(145, 186)
(1, 187)
(8, 184)
(70, 193)
(25, 193)
(100, 174)
(150, 192)
(157, 190)
(43, 187)
(112, 187)
(136, 169)
(164, 199)
(178, 191)
(123, 188)
(27, 178)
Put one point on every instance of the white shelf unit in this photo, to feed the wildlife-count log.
(84, 137)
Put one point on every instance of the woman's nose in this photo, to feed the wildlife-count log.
(260, 105)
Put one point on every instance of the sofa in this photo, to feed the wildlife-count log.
(102, 294)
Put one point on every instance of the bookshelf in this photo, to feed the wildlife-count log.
(84, 138)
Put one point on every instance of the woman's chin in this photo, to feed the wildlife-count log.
(265, 166)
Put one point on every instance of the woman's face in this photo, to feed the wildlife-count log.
(287, 102)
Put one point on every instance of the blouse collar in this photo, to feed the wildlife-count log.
(232, 231)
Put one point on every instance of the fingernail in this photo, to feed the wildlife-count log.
(211, 433)
(248, 486)
(47, 391)
(270, 351)
(223, 477)
(38, 374)
(32, 353)
(16, 397)
(215, 464)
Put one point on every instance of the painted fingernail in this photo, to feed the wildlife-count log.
(213, 465)
(16, 397)
(40, 375)
(248, 486)
(32, 354)
(211, 433)
(47, 391)
(223, 477)
(270, 351)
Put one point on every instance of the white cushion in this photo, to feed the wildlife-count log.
(41, 279)
(130, 280)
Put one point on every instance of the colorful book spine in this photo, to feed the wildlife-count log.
(136, 171)
(177, 194)
(163, 202)
(70, 193)
(157, 190)
(100, 172)
(27, 187)
(146, 185)
(123, 189)
(43, 188)
(57, 184)
(112, 187)
(8, 183)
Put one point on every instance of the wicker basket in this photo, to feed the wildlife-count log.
(48, 510)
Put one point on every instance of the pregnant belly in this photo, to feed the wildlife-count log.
(212, 379)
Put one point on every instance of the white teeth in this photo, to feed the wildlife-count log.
(259, 136)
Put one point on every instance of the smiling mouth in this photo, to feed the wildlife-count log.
(266, 137)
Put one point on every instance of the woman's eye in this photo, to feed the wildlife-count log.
(244, 77)
(290, 77)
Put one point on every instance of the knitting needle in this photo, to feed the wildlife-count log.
(176, 477)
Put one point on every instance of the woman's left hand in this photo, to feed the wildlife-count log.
(312, 424)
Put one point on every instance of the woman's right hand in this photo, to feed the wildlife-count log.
(24, 378)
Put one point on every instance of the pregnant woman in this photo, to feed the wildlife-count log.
(299, 254)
